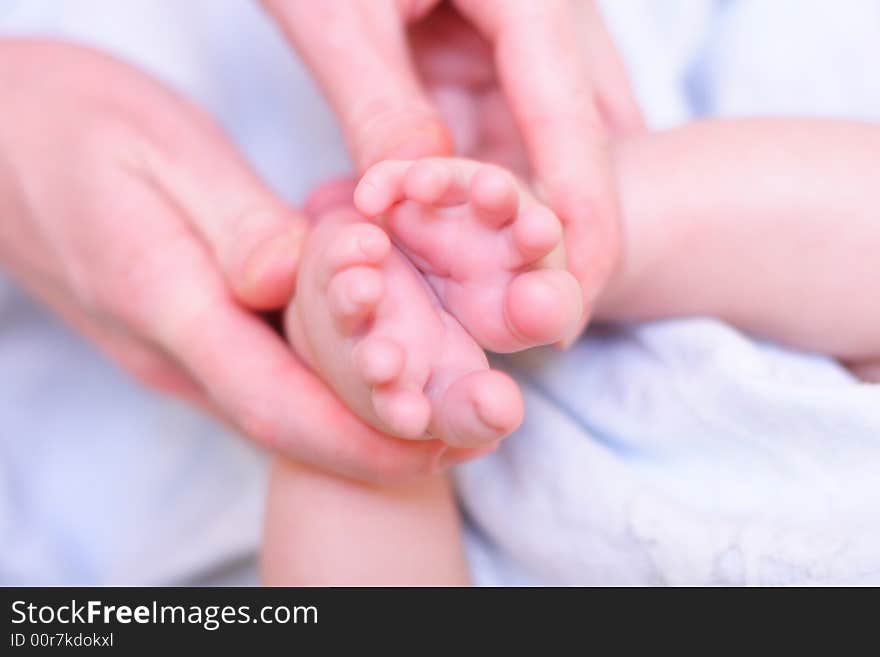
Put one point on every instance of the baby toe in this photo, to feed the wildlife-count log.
(430, 181)
(497, 402)
(535, 233)
(543, 306)
(353, 294)
(479, 409)
(379, 360)
(494, 195)
(357, 244)
(405, 411)
(381, 186)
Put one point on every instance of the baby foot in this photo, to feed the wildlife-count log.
(490, 250)
(366, 322)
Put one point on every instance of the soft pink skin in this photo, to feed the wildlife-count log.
(490, 250)
(129, 213)
(366, 322)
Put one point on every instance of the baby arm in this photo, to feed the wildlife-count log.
(772, 225)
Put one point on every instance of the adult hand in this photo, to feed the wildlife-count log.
(548, 64)
(127, 211)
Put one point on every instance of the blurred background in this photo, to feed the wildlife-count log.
(102, 482)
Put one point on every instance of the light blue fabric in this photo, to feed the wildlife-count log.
(681, 453)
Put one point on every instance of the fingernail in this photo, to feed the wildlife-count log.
(576, 332)
(453, 457)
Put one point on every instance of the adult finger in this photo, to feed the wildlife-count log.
(617, 102)
(541, 62)
(254, 235)
(359, 54)
(148, 365)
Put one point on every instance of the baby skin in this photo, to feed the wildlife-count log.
(492, 253)
(398, 330)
